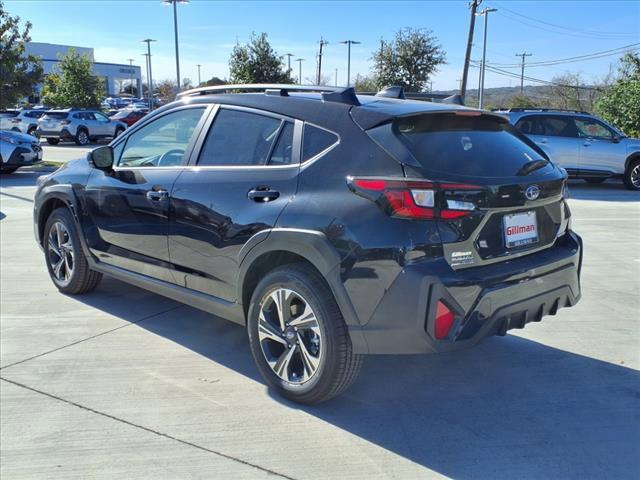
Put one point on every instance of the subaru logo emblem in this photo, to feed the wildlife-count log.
(532, 192)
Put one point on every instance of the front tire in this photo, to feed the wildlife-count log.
(632, 175)
(298, 337)
(66, 262)
(53, 141)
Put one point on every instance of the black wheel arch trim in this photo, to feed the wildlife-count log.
(633, 156)
(314, 247)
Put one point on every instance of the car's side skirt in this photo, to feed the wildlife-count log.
(228, 310)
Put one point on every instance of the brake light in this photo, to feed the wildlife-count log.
(413, 199)
(444, 321)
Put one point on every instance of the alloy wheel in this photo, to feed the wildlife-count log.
(61, 254)
(83, 137)
(290, 336)
(635, 176)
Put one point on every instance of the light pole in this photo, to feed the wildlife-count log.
(289, 55)
(300, 60)
(149, 76)
(199, 81)
(175, 31)
(348, 43)
(130, 75)
(336, 82)
(484, 13)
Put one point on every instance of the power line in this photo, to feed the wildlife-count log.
(577, 30)
(531, 79)
(579, 58)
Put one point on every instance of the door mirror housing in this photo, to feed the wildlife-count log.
(616, 138)
(101, 158)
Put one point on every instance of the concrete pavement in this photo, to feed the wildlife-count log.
(122, 383)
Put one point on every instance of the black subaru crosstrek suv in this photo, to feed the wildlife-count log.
(332, 225)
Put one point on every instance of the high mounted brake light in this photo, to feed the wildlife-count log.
(413, 199)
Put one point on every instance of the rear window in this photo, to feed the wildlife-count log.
(57, 115)
(455, 145)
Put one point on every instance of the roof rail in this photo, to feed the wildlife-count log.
(256, 87)
(533, 109)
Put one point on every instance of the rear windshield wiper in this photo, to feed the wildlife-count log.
(532, 166)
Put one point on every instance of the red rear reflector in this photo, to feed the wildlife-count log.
(444, 321)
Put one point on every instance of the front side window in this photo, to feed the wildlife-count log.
(100, 117)
(588, 127)
(162, 142)
(240, 138)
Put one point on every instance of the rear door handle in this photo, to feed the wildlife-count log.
(157, 195)
(262, 194)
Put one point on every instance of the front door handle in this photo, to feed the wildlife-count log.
(262, 194)
(157, 195)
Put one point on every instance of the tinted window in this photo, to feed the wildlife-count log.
(588, 127)
(239, 138)
(282, 153)
(316, 140)
(556, 126)
(455, 145)
(162, 142)
(57, 115)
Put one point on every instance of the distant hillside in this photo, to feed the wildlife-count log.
(499, 97)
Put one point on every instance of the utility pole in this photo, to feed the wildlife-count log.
(485, 14)
(349, 43)
(336, 82)
(149, 77)
(289, 55)
(322, 44)
(199, 81)
(131, 76)
(473, 5)
(300, 60)
(459, 80)
(523, 55)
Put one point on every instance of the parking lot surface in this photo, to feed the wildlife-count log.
(122, 383)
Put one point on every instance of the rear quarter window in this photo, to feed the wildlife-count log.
(471, 146)
(316, 140)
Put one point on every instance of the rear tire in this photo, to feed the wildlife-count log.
(632, 175)
(66, 262)
(321, 363)
(82, 137)
(53, 141)
(595, 181)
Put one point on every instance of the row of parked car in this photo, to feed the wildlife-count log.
(21, 130)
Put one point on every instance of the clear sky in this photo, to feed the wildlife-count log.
(208, 30)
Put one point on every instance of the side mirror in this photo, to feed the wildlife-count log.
(101, 158)
(616, 139)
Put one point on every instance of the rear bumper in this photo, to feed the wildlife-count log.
(487, 300)
(63, 134)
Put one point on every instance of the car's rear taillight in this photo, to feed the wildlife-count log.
(444, 321)
(413, 199)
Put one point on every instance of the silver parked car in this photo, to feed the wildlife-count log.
(26, 121)
(18, 150)
(583, 144)
(80, 126)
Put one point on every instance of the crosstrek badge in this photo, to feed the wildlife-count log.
(520, 229)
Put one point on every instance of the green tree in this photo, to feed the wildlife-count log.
(213, 81)
(73, 84)
(257, 62)
(409, 60)
(166, 91)
(365, 83)
(522, 101)
(19, 73)
(620, 104)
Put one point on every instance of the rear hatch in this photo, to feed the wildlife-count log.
(498, 194)
(53, 121)
(8, 119)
